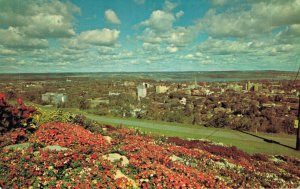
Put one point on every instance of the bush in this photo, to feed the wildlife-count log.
(219, 120)
(15, 116)
(87, 123)
(57, 115)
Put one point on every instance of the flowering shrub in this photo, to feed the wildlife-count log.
(13, 137)
(18, 116)
(52, 169)
(46, 116)
(68, 135)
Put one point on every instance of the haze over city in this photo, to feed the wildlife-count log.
(144, 35)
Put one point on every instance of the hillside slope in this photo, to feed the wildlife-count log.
(63, 155)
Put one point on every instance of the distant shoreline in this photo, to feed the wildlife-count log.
(147, 72)
(184, 76)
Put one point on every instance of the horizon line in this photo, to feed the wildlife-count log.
(144, 72)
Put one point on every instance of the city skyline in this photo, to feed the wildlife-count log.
(144, 35)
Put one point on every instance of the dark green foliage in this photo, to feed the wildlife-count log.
(17, 116)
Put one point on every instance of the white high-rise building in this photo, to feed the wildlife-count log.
(141, 91)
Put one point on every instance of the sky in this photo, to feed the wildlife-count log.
(148, 35)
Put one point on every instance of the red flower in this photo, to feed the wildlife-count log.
(25, 115)
(75, 156)
(15, 111)
(2, 97)
(20, 101)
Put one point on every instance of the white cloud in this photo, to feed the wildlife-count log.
(182, 36)
(218, 46)
(159, 21)
(169, 6)
(219, 2)
(172, 49)
(179, 14)
(13, 38)
(189, 56)
(260, 17)
(292, 30)
(112, 17)
(160, 30)
(198, 57)
(104, 37)
(5, 51)
(49, 19)
(179, 36)
(151, 47)
(48, 26)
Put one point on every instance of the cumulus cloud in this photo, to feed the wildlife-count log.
(261, 32)
(13, 38)
(104, 37)
(152, 47)
(101, 38)
(172, 49)
(5, 51)
(260, 17)
(219, 2)
(259, 53)
(26, 27)
(160, 21)
(45, 19)
(249, 48)
(159, 29)
(179, 36)
(292, 30)
(48, 26)
(197, 57)
(223, 47)
(112, 17)
(169, 6)
(179, 14)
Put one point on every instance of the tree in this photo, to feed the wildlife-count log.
(219, 120)
(174, 116)
(288, 125)
(83, 104)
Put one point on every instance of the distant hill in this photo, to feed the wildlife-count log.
(205, 76)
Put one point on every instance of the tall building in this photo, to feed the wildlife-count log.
(141, 91)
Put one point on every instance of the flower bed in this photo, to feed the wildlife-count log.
(68, 135)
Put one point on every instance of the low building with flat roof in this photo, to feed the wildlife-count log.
(161, 89)
(54, 98)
